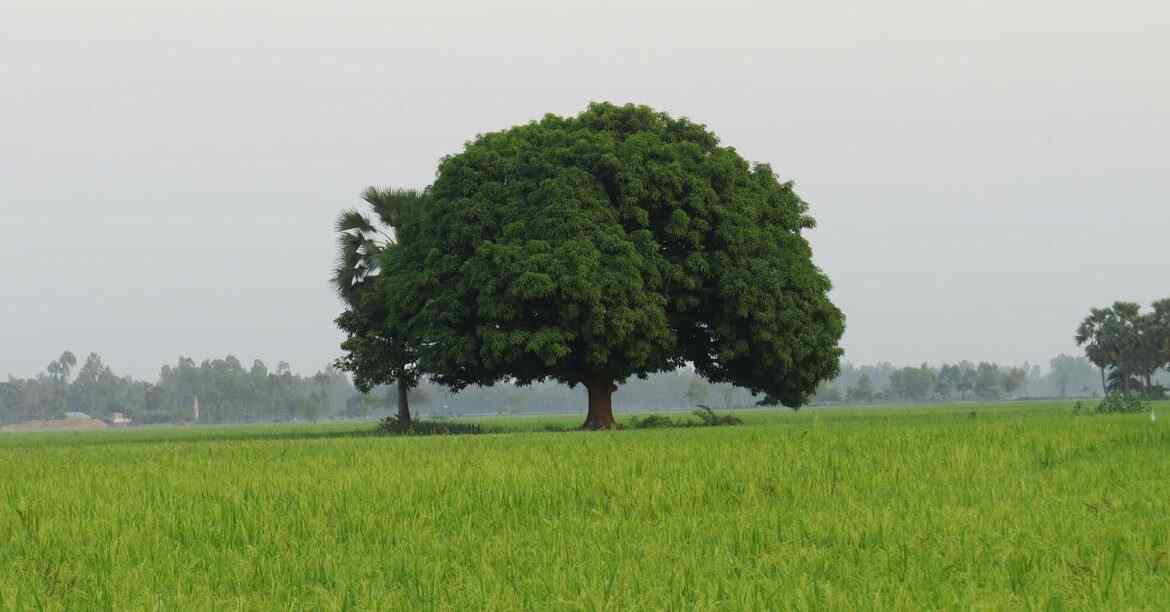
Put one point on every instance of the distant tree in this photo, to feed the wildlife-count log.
(88, 387)
(1151, 353)
(862, 391)
(56, 396)
(1013, 380)
(1095, 333)
(1130, 344)
(967, 376)
(988, 384)
(1068, 372)
(829, 393)
(1131, 359)
(615, 244)
(948, 381)
(361, 405)
(12, 403)
(727, 392)
(914, 384)
(1158, 326)
(698, 390)
(60, 369)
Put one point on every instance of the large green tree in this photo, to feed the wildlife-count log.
(1131, 344)
(379, 348)
(618, 243)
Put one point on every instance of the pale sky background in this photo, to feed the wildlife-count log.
(982, 172)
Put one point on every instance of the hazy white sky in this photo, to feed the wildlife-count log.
(982, 172)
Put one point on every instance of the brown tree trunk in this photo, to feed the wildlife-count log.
(600, 391)
(403, 405)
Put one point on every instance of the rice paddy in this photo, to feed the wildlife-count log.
(972, 507)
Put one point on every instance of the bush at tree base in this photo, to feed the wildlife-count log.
(393, 426)
(707, 418)
(1115, 403)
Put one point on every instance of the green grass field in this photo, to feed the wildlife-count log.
(1016, 507)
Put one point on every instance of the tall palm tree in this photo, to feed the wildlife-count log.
(378, 351)
(1093, 335)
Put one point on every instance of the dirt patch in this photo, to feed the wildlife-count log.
(58, 424)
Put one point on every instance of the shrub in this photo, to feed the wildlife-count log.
(1116, 403)
(709, 418)
(653, 421)
(706, 418)
(393, 427)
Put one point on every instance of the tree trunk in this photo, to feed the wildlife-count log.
(403, 404)
(600, 391)
(1104, 388)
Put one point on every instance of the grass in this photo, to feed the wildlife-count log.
(1018, 507)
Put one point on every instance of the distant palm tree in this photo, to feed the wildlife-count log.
(1093, 335)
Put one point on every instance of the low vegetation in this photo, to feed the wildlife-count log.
(1114, 403)
(1024, 507)
(430, 427)
(703, 417)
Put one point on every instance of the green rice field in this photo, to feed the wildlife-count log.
(1005, 506)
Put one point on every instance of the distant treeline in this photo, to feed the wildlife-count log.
(228, 392)
(214, 391)
(224, 391)
(1066, 376)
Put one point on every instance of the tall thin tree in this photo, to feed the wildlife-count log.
(1093, 334)
(378, 348)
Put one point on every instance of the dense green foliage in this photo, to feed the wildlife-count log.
(617, 243)
(1131, 345)
(703, 417)
(923, 508)
(1116, 403)
(394, 426)
(379, 348)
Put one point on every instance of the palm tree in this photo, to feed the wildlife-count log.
(379, 349)
(1093, 334)
(361, 242)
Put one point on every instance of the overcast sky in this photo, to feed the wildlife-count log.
(982, 172)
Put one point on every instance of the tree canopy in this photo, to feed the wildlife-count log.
(616, 243)
(1130, 344)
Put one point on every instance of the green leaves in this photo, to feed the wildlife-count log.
(1132, 344)
(616, 243)
(373, 276)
